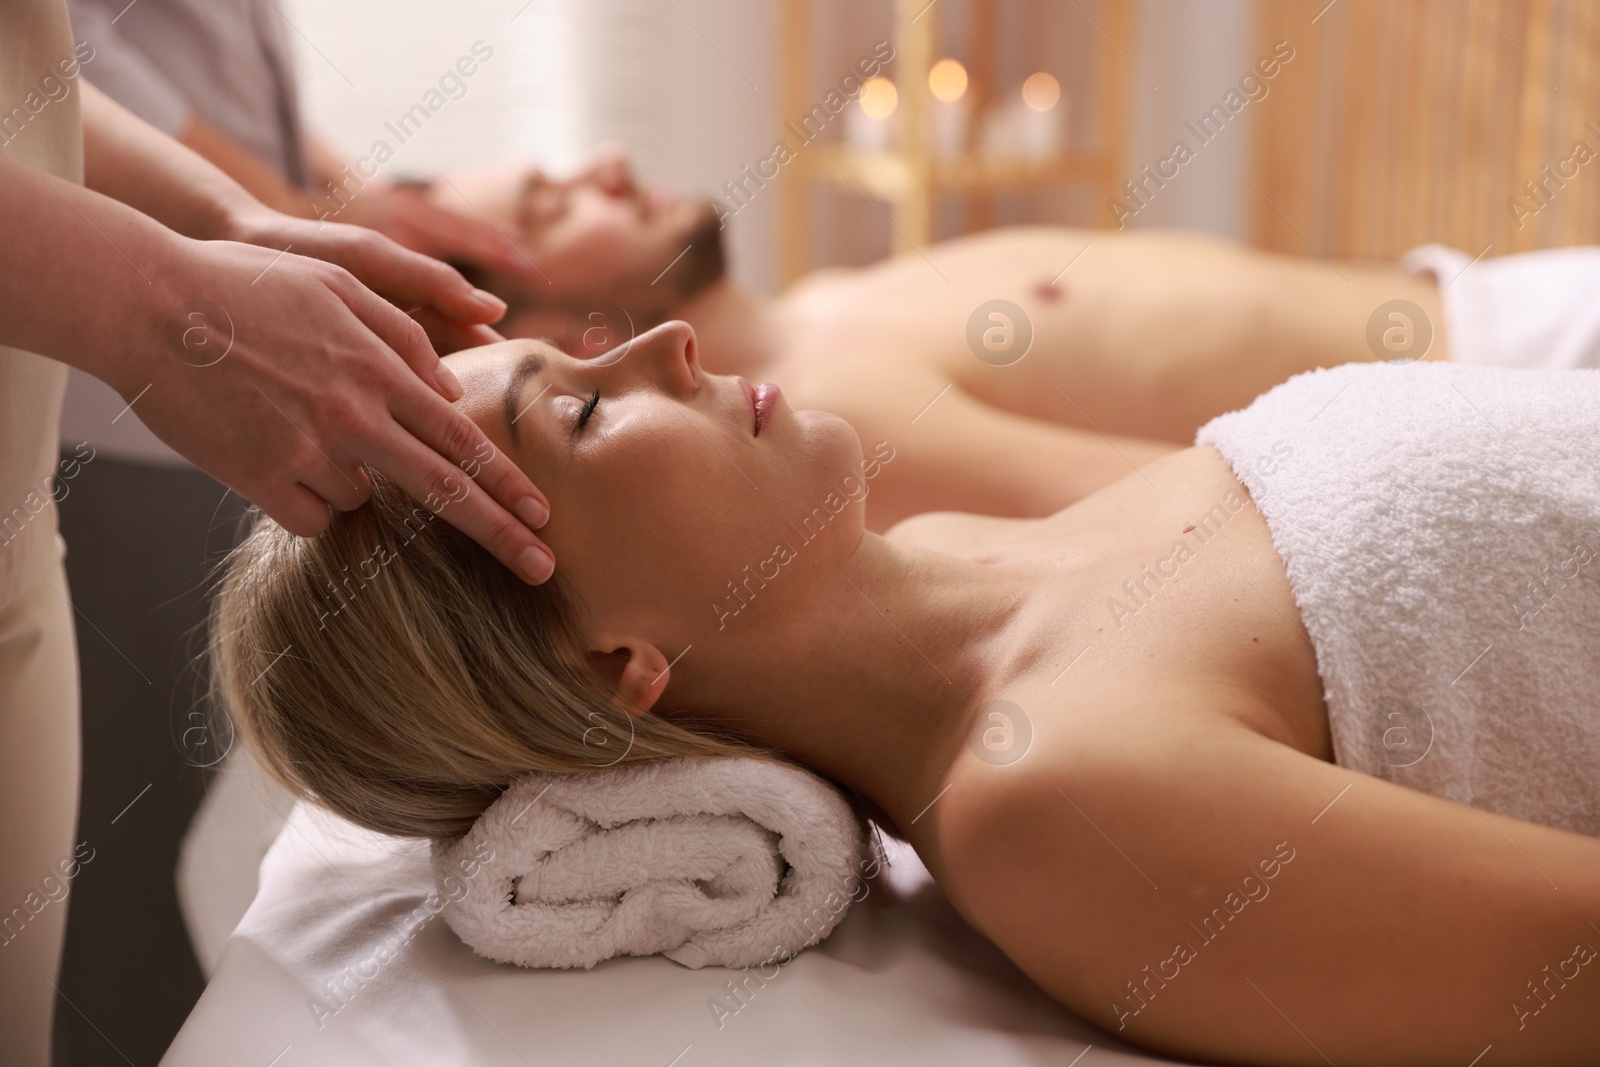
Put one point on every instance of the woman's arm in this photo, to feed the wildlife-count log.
(1237, 900)
(131, 161)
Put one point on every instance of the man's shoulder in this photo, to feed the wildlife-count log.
(956, 533)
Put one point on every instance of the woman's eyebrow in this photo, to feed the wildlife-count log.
(527, 367)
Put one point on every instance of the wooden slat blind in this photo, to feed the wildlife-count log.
(1474, 123)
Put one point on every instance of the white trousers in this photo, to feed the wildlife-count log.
(39, 772)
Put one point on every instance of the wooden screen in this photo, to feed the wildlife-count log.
(1474, 123)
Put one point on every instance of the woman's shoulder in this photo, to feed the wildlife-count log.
(1077, 769)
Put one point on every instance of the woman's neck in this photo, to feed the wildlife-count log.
(874, 678)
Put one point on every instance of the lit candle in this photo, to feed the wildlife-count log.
(867, 126)
(947, 81)
(1040, 119)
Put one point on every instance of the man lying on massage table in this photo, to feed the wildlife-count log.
(1115, 348)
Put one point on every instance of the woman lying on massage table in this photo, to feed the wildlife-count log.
(1166, 748)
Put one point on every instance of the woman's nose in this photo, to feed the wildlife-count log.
(672, 352)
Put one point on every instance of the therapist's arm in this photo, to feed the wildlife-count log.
(339, 193)
(128, 160)
(280, 376)
(244, 167)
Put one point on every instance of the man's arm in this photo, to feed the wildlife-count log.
(958, 453)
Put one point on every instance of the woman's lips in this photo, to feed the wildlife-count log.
(766, 402)
(763, 401)
(750, 398)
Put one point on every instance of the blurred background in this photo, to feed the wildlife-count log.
(1421, 119)
(1350, 129)
(700, 89)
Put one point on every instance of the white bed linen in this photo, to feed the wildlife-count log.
(902, 980)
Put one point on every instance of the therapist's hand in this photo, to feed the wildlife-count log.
(455, 314)
(281, 376)
(408, 216)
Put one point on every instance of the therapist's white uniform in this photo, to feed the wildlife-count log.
(228, 63)
(38, 652)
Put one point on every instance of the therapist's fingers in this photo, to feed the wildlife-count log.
(444, 460)
(403, 333)
(448, 335)
(441, 458)
(410, 278)
(297, 509)
(405, 277)
(455, 235)
(343, 489)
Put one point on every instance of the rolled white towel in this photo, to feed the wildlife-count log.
(728, 861)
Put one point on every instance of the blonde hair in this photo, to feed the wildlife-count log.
(395, 672)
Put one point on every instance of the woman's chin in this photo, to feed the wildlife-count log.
(809, 432)
(825, 425)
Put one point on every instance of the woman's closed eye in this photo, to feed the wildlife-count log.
(588, 409)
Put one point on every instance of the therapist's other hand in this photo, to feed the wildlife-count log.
(407, 215)
(282, 375)
(447, 335)
(415, 283)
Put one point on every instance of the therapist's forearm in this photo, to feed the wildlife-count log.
(323, 162)
(244, 167)
(129, 160)
(84, 277)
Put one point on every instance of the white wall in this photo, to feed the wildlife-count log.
(1193, 53)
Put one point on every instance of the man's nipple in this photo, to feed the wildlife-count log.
(1048, 291)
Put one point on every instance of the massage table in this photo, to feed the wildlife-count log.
(321, 971)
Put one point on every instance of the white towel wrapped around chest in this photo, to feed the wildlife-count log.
(730, 861)
(1440, 526)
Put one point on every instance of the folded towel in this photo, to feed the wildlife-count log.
(1440, 527)
(729, 861)
(1532, 309)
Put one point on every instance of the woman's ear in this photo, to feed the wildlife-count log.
(637, 668)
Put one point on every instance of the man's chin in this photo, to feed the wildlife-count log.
(689, 262)
(702, 258)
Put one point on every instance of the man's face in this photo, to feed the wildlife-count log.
(600, 235)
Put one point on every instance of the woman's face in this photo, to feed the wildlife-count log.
(662, 492)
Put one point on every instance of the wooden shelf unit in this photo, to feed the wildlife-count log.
(907, 177)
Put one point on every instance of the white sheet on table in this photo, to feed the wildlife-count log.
(902, 980)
